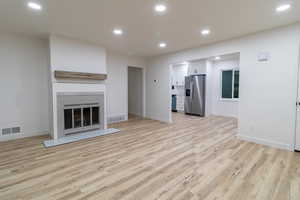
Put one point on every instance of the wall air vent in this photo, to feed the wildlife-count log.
(10, 131)
(15, 130)
(6, 131)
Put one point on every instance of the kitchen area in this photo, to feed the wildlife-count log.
(206, 87)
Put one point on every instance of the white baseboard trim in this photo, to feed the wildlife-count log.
(266, 142)
(117, 118)
(21, 135)
(136, 114)
(158, 118)
(161, 120)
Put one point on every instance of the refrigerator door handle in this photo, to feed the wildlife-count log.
(192, 86)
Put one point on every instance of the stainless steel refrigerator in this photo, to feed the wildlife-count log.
(194, 103)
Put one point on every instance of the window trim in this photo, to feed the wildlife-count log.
(221, 85)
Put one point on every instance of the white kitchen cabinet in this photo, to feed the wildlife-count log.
(179, 73)
(197, 67)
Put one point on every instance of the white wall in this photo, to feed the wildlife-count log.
(135, 91)
(209, 88)
(158, 94)
(220, 106)
(267, 90)
(117, 82)
(75, 55)
(24, 65)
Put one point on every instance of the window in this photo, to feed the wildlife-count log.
(230, 84)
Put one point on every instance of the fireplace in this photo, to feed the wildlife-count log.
(82, 117)
(79, 112)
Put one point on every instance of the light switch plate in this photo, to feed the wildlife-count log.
(263, 57)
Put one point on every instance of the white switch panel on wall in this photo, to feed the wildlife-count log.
(263, 57)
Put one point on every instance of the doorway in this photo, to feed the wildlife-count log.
(135, 92)
(217, 94)
(297, 128)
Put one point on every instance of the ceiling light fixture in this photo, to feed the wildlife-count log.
(217, 58)
(162, 45)
(34, 6)
(205, 32)
(118, 31)
(160, 8)
(283, 7)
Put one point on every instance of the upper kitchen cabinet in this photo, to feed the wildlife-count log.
(197, 67)
(180, 71)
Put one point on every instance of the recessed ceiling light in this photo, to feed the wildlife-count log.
(217, 58)
(34, 6)
(118, 31)
(283, 7)
(160, 8)
(205, 32)
(162, 45)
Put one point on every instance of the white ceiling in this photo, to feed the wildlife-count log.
(179, 27)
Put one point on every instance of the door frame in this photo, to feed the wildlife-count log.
(297, 115)
(143, 88)
(170, 93)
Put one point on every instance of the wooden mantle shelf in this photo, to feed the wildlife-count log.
(79, 75)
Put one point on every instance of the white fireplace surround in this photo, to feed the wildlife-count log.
(79, 112)
(73, 55)
(74, 88)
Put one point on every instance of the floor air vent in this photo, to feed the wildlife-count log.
(9, 131)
